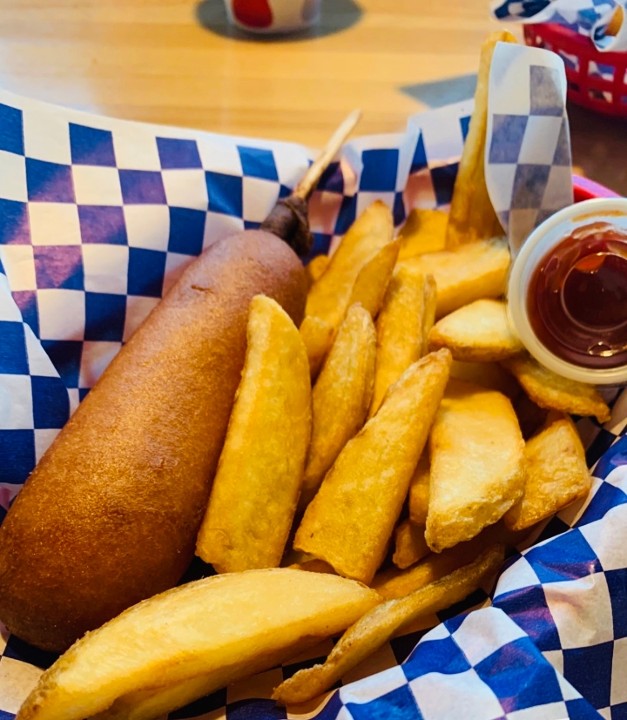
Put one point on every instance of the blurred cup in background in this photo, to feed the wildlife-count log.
(273, 16)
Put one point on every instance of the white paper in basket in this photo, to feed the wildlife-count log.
(586, 17)
(527, 154)
(130, 206)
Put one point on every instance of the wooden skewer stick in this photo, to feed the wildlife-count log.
(320, 164)
(288, 218)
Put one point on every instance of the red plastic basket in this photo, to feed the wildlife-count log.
(597, 81)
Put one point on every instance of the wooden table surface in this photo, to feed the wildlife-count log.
(178, 62)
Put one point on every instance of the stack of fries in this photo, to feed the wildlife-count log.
(434, 441)
(401, 437)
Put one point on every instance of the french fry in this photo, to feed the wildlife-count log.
(616, 21)
(393, 582)
(557, 473)
(341, 396)
(477, 466)
(400, 328)
(553, 392)
(410, 545)
(156, 701)
(302, 561)
(373, 278)
(430, 307)
(257, 483)
(349, 522)
(489, 375)
(472, 216)
(317, 335)
(470, 272)
(316, 267)
(419, 491)
(329, 296)
(314, 565)
(478, 332)
(186, 642)
(378, 625)
(423, 231)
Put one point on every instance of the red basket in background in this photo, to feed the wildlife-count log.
(596, 80)
(584, 189)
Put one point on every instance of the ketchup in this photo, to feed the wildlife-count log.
(577, 301)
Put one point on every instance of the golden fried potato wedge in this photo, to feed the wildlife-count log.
(419, 491)
(393, 582)
(477, 466)
(350, 521)
(260, 471)
(470, 272)
(378, 625)
(317, 335)
(477, 332)
(329, 296)
(373, 278)
(472, 216)
(314, 565)
(423, 231)
(410, 545)
(400, 328)
(488, 375)
(193, 639)
(303, 561)
(557, 473)
(553, 392)
(316, 267)
(341, 396)
(156, 701)
(428, 315)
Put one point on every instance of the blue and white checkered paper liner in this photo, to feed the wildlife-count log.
(586, 17)
(97, 219)
(527, 152)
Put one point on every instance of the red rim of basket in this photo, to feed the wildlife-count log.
(580, 82)
(585, 189)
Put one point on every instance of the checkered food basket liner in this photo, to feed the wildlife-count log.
(591, 19)
(98, 217)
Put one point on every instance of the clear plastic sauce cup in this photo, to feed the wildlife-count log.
(567, 292)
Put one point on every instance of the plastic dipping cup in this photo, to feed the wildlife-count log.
(273, 16)
(545, 240)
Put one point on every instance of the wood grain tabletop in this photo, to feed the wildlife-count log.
(179, 62)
